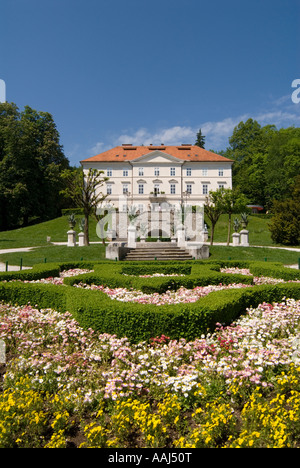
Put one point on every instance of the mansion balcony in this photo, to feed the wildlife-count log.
(157, 197)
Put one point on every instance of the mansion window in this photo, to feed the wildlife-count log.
(188, 171)
(221, 172)
(204, 189)
(109, 172)
(204, 172)
(156, 189)
(125, 172)
(125, 189)
(141, 189)
(156, 171)
(173, 189)
(189, 188)
(109, 189)
(172, 171)
(141, 171)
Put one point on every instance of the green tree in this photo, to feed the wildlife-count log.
(200, 141)
(84, 190)
(266, 161)
(31, 159)
(232, 201)
(283, 165)
(213, 208)
(285, 223)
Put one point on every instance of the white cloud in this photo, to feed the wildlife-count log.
(168, 136)
(280, 112)
(97, 148)
(216, 133)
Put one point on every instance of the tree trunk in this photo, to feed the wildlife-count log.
(229, 228)
(212, 234)
(86, 231)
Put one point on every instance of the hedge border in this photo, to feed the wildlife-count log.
(139, 322)
(196, 275)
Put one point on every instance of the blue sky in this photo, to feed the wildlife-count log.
(141, 71)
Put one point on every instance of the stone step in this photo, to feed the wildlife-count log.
(169, 253)
(159, 259)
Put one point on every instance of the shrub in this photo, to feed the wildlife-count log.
(37, 272)
(285, 224)
(195, 275)
(94, 309)
(274, 270)
(40, 295)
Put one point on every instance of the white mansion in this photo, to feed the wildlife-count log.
(155, 178)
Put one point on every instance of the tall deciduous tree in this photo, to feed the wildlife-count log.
(31, 159)
(285, 223)
(213, 208)
(223, 201)
(232, 202)
(267, 161)
(84, 189)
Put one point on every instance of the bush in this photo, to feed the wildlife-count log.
(139, 322)
(285, 224)
(274, 270)
(195, 275)
(43, 296)
(39, 271)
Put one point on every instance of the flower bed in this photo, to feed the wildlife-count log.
(181, 295)
(189, 305)
(236, 387)
(68, 386)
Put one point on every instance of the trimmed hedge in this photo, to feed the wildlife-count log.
(37, 272)
(43, 296)
(139, 322)
(195, 275)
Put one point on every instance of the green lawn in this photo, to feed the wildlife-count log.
(57, 229)
(36, 236)
(286, 257)
(259, 233)
(53, 253)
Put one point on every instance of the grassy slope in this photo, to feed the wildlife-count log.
(37, 235)
(57, 229)
(259, 233)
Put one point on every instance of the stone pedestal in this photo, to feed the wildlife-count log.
(131, 237)
(244, 238)
(205, 234)
(81, 239)
(109, 235)
(236, 238)
(71, 238)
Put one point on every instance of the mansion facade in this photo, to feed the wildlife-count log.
(155, 178)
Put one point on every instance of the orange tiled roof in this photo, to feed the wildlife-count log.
(129, 152)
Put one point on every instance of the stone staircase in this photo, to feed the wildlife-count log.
(159, 252)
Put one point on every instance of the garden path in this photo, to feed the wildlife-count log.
(13, 267)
